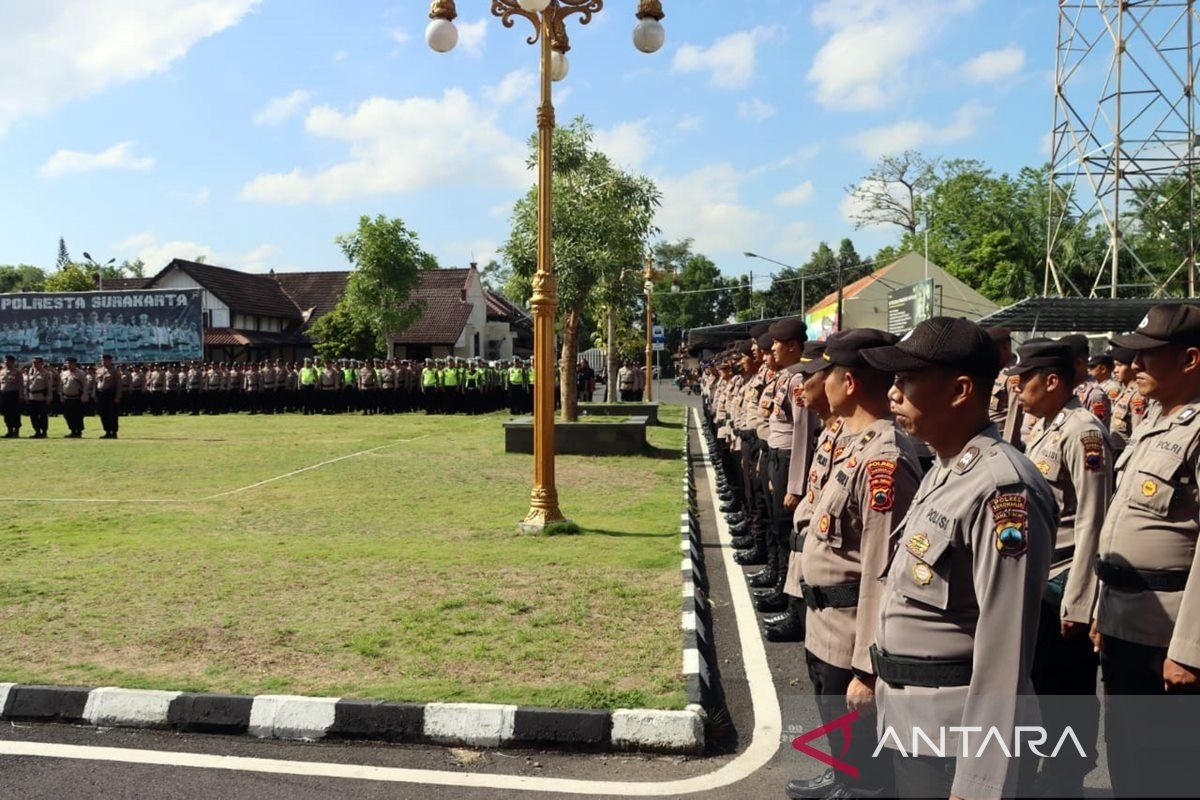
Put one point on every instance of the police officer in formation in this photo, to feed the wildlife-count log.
(972, 535)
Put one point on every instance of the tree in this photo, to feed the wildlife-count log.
(21, 278)
(602, 217)
(794, 290)
(890, 193)
(134, 269)
(339, 334)
(71, 278)
(703, 299)
(387, 260)
(495, 276)
(64, 257)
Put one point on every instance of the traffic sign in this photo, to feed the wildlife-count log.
(657, 334)
(659, 346)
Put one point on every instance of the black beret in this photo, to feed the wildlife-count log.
(1124, 354)
(951, 342)
(1043, 355)
(1078, 342)
(845, 348)
(765, 341)
(1167, 323)
(758, 330)
(813, 360)
(789, 330)
(743, 348)
(999, 333)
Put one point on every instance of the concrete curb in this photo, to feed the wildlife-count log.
(470, 724)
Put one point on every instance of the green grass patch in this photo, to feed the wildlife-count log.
(398, 573)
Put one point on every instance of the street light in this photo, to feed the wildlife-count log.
(99, 269)
(649, 276)
(548, 18)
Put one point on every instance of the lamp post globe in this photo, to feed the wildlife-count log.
(441, 35)
(534, 6)
(559, 66)
(649, 35)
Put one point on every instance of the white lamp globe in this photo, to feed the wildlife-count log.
(536, 6)
(441, 35)
(559, 66)
(649, 35)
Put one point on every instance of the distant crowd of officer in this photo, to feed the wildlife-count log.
(371, 386)
(962, 539)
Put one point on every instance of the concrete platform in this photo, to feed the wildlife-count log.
(581, 438)
(647, 410)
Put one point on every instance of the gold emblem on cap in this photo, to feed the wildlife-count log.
(922, 574)
(1149, 488)
(918, 545)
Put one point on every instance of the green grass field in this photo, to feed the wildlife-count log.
(395, 574)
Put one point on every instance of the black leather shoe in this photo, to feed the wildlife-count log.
(740, 529)
(819, 786)
(788, 629)
(770, 602)
(762, 579)
(743, 542)
(730, 507)
(775, 619)
(733, 518)
(751, 557)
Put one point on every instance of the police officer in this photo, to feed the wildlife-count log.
(1148, 616)
(108, 396)
(627, 382)
(12, 383)
(73, 385)
(874, 478)
(38, 385)
(308, 387)
(1091, 395)
(1100, 368)
(328, 386)
(959, 614)
(1074, 454)
(1130, 406)
(1004, 410)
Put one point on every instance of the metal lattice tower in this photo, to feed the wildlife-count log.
(1124, 121)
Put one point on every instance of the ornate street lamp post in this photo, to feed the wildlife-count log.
(549, 25)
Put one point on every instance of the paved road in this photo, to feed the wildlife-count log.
(88, 773)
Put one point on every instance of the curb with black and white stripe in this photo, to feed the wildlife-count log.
(471, 724)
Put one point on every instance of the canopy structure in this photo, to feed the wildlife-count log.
(715, 337)
(1080, 314)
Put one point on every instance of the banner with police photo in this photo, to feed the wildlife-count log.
(136, 325)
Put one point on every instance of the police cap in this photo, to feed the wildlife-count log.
(765, 341)
(1043, 355)
(758, 330)
(949, 342)
(1078, 342)
(1124, 355)
(813, 361)
(789, 330)
(1168, 323)
(1101, 359)
(846, 348)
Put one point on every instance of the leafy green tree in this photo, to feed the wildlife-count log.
(64, 257)
(72, 277)
(134, 269)
(602, 218)
(387, 260)
(340, 334)
(21, 278)
(703, 299)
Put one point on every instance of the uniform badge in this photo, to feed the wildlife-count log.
(1113, 394)
(918, 545)
(1058, 420)
(853, 462)
(1139, 405)
(1099, 409)
(812, 475)
(968, 458)
(1010, 524)
(1187, 414)
(1149, 488)
(1043, 467)
(797, 395)
(882, 484)
(922, 573)
(812, 496)
(828, 446)
(1014, 383)
(823, 525)
(1093, 450)
(838, 453)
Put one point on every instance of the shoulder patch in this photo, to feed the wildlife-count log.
(967, 460)
(881, 484)
(1100, 409)
(797, 395)
(1093, 450)
(1010, 524)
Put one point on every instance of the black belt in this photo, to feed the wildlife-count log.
(900, 671)
(843, 595)
(1141, 580)
(798, 541)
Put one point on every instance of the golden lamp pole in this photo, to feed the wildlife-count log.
(650, 275)
(548, 18)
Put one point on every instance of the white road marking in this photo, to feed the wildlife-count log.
(763, 745)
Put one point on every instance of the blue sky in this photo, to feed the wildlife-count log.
(255, 131)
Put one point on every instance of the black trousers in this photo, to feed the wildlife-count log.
(776, 469)
(1151, 736)
(829, 686)
(10, 407)
(1064, 675)
(73, 414)
(107, 410)
(39, 416)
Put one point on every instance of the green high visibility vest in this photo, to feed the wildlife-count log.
(450, 377)
(429, 377)
(308, 376)
(516, 376)
(349, 377)
(532, 375)
(474, 378)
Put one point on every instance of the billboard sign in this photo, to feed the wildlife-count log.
(136, 325)
(821, 322)
(909, 306)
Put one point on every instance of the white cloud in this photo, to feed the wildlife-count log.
(705, 205)
(730, 61)
(280, 109)
(995, 65)
(870, 45)
(157, 255)
(119, 156)
(340, 55)
(690, 122)
(400, 146)
(517, 86)
(471, 36)
(197, 197)
(909, 134)
(399, 36)
(755, 109)
(55, 52)
(627, 143)
(798, 195)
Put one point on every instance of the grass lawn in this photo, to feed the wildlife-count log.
(394, 574)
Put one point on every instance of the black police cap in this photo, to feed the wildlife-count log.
(1168, 323)
(758, 330)
(744, 348)
(1000, 334)
(950, 342)
(813, 360)
(1043, 355)
(846, 348)
(1124, 354)
(1078, 342)
(1099, 359)
(765, 341)
(789, 330)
